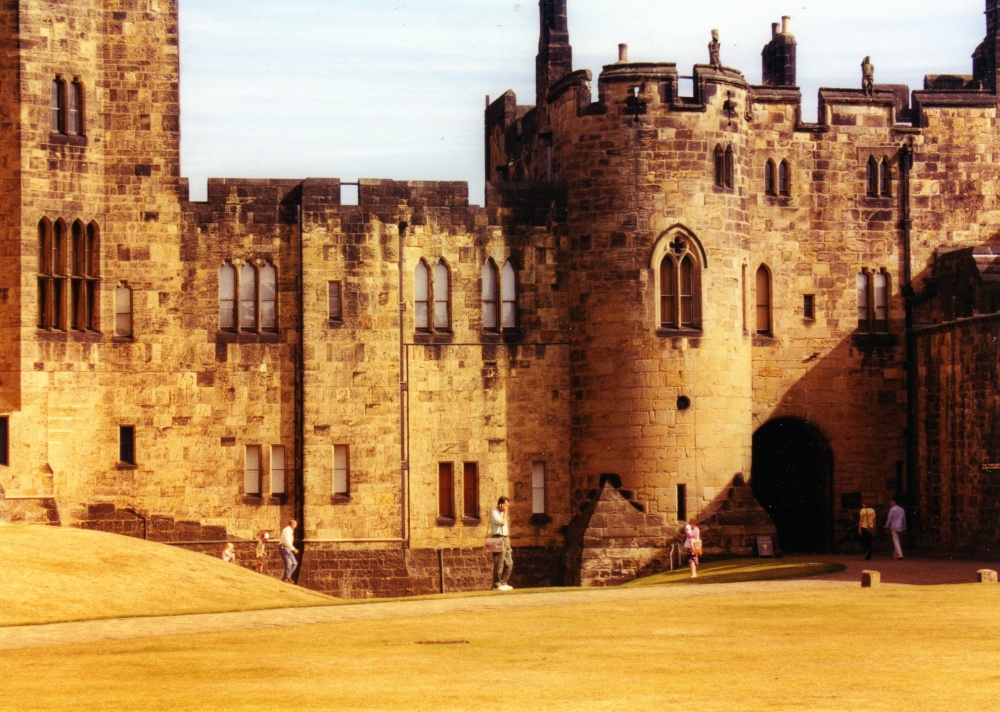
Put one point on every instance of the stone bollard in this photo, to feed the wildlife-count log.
(870, 579)
(986, 576)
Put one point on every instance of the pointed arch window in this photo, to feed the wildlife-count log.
(227, 297)
(74, 108)
(59, 268)
(421, 297)
(508, 293)
(784, 179)
(884, 178)
(45, 274)
(57, 106)
(442, 297)
(248, 297)
(677, 268)
(730, 167)
(763, 297)
(871, 177)
(268, 297)
(719, 159)
(769, 178)
(491, 296)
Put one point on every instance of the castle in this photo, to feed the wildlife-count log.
(672, 306)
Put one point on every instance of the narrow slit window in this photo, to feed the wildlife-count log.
(268, 297)
(538, 487)
(446, 490)
(508, 286)
(123, 311)
(277, 469)
(763, 301)
(248, 297)
(442, 302)
(341, 470)
(490, 296)
(227, 297)
(470, 490)
(421, 296)
(126, 444)
(682, 503)
(251, 470)
(334, 304)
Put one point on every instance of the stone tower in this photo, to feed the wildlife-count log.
(91, 215)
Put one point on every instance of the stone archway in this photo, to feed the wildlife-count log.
(792, 479)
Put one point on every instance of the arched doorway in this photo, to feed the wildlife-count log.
(791, 478)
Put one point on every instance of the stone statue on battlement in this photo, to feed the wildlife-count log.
(868, 76)
(713, 51)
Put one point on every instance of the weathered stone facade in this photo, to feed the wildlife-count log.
(675, 309)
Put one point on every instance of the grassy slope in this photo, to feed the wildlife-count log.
(891, 648)
(55, 574)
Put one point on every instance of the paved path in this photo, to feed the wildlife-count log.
(914, 571)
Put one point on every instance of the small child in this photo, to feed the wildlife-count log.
(262, 552)
(229, 553)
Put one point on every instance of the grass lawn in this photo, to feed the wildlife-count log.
(674, 647)
(55, 574)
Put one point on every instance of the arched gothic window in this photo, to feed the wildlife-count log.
(719, 158)
(421, 297)
(491, 296)
(871, 177)
(730, 167)
(677, 265)
(74, 108)
(248, 297)
(884, 178)
(227, 297)
(508, 289)
(784, 179)
(268, 297)
(57, 106)
(769, 182)
(442, 298)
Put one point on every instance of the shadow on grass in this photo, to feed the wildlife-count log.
(740, 570)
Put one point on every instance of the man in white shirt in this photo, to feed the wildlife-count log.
(287, 550)
(896, 523)
(503, 561)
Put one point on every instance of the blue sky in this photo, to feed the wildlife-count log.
(396, 88)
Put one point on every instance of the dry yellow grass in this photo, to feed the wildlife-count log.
(53, 574)
(894, 648)
(696, 648)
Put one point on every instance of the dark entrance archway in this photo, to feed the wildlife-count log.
(791, 477)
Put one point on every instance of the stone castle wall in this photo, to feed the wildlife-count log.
(584, 199)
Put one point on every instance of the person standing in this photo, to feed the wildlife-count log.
(866, 528)
(896, 523)
(287, 550)
(261, 553)
(692, 542)
(503, 561)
